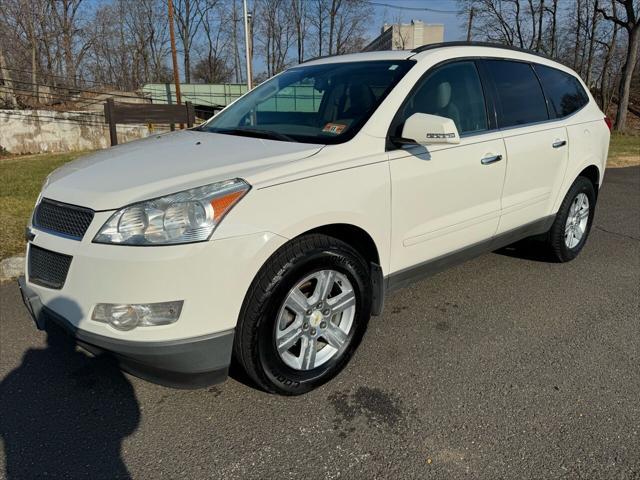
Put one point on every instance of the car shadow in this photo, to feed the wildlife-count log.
(528, 249)
(64, 414)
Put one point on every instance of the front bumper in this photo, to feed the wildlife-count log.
(186, 363)
(211, 278)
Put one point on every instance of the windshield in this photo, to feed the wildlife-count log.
(324, 104)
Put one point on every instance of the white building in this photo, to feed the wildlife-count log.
(407, 36)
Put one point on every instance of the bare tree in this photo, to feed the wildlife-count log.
(300, 22)
(318, 12)
(606, 79)
(190, 14)
(212, 67)
(276, 33)
(591, 43)
(66, 17)
(347, 22)
(235, 19)
(553, 30)
(130, 44)
(626, 16)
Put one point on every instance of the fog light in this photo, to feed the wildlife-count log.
(124, 316)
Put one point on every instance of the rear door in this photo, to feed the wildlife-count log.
(537, 149)
(444, 197)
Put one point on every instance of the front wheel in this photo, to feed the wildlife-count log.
(304, 315)
(573, 221)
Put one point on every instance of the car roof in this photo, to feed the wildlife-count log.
(460, 49)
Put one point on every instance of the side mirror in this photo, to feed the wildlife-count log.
(425, 129)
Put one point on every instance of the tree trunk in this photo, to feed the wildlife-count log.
(518, 26)
(470, 24)
(592, 41)
(605, 86)
(627, 73)
(540, 19)
(554, 29)
(576, 47)
(332, 25)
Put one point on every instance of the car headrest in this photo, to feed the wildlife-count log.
(443, 94)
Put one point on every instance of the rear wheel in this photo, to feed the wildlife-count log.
(304, 315)
(573, 221)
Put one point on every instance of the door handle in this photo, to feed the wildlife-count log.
(491, 159)
(559, 143)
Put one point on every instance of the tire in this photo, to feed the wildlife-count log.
(303, 266)
(565, 250)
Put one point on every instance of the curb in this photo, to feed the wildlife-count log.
(11, 268)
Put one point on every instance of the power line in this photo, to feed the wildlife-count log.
(415, 9)
(44, 106)
(52, 75)
(57, 97)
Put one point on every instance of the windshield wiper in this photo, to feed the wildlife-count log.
(251, 132)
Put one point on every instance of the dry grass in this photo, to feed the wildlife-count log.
(624, 150)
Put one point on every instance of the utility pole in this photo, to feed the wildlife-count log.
(174, 56)
(247, 44)
(471, 13)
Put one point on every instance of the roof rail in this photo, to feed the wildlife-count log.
(320, 57)
(434, 46)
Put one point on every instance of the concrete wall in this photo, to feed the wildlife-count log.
(38, 131)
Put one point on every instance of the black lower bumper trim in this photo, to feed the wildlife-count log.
(188, 363)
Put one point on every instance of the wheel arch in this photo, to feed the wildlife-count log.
(592, 172)
(363, 243)
(357, 237)
(589, 170)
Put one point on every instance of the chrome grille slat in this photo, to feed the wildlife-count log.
(48, 269)
(61, 218)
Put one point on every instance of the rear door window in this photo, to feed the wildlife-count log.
(520, 97)
(564, 92)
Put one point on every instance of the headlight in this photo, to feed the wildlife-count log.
(184, 217)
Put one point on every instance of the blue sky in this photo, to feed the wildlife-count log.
(453, 29)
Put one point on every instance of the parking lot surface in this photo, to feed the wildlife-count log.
(508, 366)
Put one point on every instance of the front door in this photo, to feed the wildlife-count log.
(446, 197)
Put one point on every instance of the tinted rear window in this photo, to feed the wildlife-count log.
(564, 92)
(520, 97)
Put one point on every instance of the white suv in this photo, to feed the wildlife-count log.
(272, 232)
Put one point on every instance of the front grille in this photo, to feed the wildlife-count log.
(47, 268)
(68, 220)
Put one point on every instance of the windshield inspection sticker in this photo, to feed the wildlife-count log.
(335, 128)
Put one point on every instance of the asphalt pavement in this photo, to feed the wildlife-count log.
(508, 366)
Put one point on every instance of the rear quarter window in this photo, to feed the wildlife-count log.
(520, 97)
(564, 92)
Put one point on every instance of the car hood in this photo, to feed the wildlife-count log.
(164, 164)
